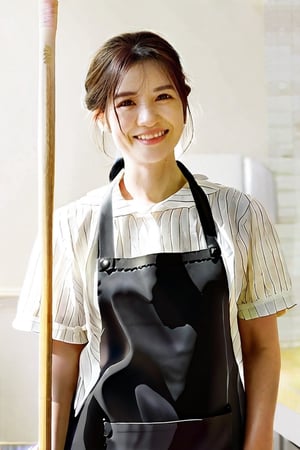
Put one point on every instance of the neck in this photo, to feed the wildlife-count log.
(151, 183)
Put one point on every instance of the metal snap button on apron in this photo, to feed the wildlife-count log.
(104, 263)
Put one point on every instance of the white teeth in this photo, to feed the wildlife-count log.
(146, 137)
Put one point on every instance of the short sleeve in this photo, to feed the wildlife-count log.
(267, 285)
(69, 323)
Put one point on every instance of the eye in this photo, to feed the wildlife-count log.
(125, 103)
(164, 96)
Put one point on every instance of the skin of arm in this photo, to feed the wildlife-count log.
(65, 363)
(261, 359)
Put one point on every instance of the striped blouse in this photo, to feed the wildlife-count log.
(258, 281)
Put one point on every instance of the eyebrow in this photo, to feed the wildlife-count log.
(157, 89)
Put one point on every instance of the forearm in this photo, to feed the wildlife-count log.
(261, 359)
(60, 421)
(261, 383)
(65, 362)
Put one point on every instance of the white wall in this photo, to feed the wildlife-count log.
(18, 379)
(221, 43)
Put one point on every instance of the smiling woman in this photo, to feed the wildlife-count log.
(146, 123)
(164, 283)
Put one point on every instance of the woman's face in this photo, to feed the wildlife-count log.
(145, 116)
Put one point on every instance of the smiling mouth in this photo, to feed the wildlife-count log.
(149, 137)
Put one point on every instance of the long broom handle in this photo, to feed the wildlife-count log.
(46, 153)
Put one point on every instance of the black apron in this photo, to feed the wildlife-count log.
(169, 379)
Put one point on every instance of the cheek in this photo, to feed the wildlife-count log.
(178, 118)
(123, 124)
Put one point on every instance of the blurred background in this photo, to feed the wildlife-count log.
(242, 59)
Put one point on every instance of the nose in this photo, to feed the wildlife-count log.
(147, 115)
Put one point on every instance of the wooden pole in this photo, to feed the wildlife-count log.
(46, 154)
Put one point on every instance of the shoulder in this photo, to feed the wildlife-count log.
(236, 213)
(83, 206)
(226, 201)
(80, 216)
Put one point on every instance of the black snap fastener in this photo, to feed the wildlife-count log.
(214, 252)
(104, 264)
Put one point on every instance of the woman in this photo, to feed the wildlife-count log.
(162, 282)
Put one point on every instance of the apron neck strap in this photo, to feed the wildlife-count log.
(202, 206)
(106, 239)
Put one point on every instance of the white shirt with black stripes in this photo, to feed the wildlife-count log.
(258, 281)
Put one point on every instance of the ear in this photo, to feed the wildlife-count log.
(100, 118)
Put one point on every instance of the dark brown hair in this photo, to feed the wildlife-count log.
(119, 54)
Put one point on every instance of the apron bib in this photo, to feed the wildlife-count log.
(168, 379)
